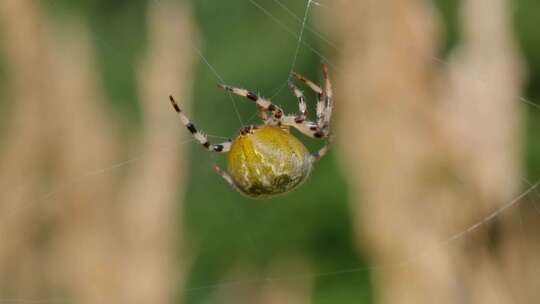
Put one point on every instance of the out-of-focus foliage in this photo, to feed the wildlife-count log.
(248, 48)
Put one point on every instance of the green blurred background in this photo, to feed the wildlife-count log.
(248, 48)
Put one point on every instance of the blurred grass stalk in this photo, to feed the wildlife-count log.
(432, 149)
(94, 236)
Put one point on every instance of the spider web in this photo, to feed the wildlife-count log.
(302, 21)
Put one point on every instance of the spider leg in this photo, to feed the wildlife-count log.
(264, 103)
(308, 82)
(263, 114)
(315, 156)
(328, 97)
(225, 176)
(301, 102)
(306, 127)
(200, 137)
(320, 94)
(325, 102)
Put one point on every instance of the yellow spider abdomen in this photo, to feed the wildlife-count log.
(268, 160)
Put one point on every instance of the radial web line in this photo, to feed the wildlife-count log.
(203, 58)
(78, 180)
(291, 32)
(494, 214)
(214, 71)
(404, 263)
(311, 48)
(310, 29)
(536, 208)
(300, 36)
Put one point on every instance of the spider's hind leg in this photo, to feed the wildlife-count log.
(226, 176)
(200, 137)
(315, 156)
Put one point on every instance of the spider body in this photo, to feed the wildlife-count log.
(267, 160)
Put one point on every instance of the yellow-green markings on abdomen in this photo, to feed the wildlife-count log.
(268, 161)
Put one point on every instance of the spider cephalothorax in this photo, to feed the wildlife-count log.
(267, 160)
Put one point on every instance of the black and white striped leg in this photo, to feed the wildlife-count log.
(320, 94)
(328, 97)
(308, 82)
(225, 176)
(200, 137)
(301, 103)
(264, 103)
(312, 130)
(306, 127)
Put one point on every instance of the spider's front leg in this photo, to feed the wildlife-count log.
(325, 98)
(312, 130)
(317, 89)
(263, 103)
(200, 137)
(301, 103)
(320, 129)
(328, 98)
(305, 127)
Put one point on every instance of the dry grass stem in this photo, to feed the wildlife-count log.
(80, 231)
(433, 149)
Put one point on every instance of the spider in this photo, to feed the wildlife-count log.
(266, 160)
